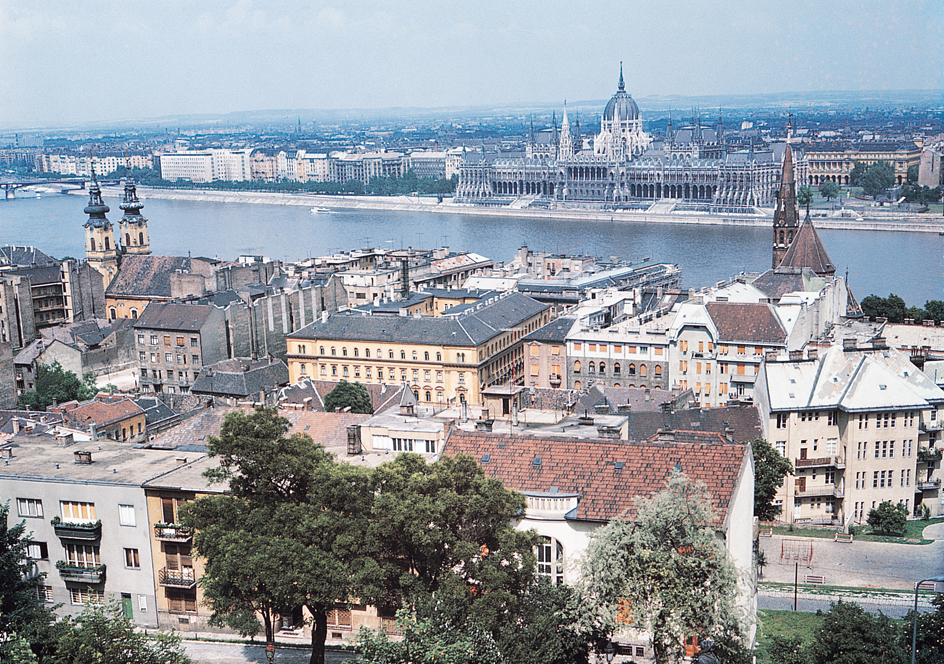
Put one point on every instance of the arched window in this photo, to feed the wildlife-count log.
(429, 396)
(112, 313)
(134, 312)
(632, 370)
(321, 350)
(426, 355)
(107, 243)
(334, 350)
(324, 370)
(127, 239)
(577, 385)
(345, 371)
(92, 244)
(141, 238)
(602, 367)
(355, 352)
(390, 354)
(439, 357)
(657, 371)
(616, 369)
(577, 366)
(643, 371)
(402, 354)
(550, 555)
(367, 352)
(416, 395)
(591, 368)
(334, 370)
(344, 351)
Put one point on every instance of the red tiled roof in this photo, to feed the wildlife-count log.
(329, 429)
(589, 467)
(102, 414)
(750, 323)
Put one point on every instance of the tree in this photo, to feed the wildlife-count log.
(913, 174)
(102, 633)
(349, 395)
(855, 175)
(55, 384)
(544, 631)
(442, 538)
(934, 309)
(289, 533)
(888, 517)
(929, 647)
(829, 190)
(665, 573)
(786, 650)
(19, 584)
(430, 641)
(850, 635)
(804, 196)
(877, 179)
(770, 468)
(893, 307)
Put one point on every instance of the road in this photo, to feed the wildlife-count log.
(214, 652)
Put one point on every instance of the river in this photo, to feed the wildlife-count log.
(908, 264)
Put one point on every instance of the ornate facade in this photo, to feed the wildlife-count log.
(102, 251)
(624, 167)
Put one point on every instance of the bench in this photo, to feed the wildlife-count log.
(813, 578)
(766, 532)
(843, 537)
(927, 585)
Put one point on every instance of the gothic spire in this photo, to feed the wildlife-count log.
(622, 87)
(531, 139)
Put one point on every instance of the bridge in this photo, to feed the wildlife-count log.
(9, 188)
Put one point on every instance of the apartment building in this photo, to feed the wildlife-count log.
(856, 424)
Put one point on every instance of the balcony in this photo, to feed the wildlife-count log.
(172, 532)
(555, 379)
(80, 573)
(177, 578)
(930, 484)
(827, 490)
(77, 531)
(926, 455)
(820, 462)
(933, 425)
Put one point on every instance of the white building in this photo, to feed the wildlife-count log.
(200, 166)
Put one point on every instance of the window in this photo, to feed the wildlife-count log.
(577, 366)
(390, 354)
(168, 357)
(551, 561)
(402, 445)
(357, 372)
(167, 340)
(78, 511)
(44, 594)
(126, 515)
(402, 354)
(366, 352)
(831, 418)
(132, 560)
(303, 369)
(141, 339)
(863, 421)
(181, 601)
(39, 550)
(439, 357)
(180, 341)
(875, 479)
(344, 371)
(344, 351)
(334, 369)
(193, 342)
(30, 507)
(602, 367)
(781, 447)
(83, 555)
(616, 369)
(80, 596)
(591, 368)
(367, 372)
(431, 446)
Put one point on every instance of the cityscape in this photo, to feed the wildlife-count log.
(433, 372)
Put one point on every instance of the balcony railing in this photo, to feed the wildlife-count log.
(177, 578)
(172, 532)
(926, 455)
(80, 531)
(820, 462)
(80, 573)
(930, 484)
(828, 490)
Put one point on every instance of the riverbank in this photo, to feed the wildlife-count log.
(872, 219)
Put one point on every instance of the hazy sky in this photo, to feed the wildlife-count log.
(68, 61)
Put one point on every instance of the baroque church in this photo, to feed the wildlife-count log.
(101, 250)
(624, 167)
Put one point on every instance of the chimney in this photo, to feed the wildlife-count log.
(82, 457)
(64, 439)
(181, 461)
(16, 425)
(812, 353)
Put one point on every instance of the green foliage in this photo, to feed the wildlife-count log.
(893, 307)
(929, 646)
(289, 533)
(55, 384)
(855, 175)
(19, 610)
(877, 178)
(918, 194)
(786, 650)
(912, 174)
(349, 395)
(850, 635)
(429, 641)
(829, 190)
(102, 633)
(888, 517)
(804, 196)
(770, 468)
(666, 573)
(544, 631)
(409, 184)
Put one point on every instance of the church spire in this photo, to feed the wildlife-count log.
(786, 215)
(133, 226)
(622, 86)
(96, 208)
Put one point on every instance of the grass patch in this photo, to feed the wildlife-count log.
(913, 533)
(786, 624)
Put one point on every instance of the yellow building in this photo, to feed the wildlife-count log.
(835, 162)
(447, 358)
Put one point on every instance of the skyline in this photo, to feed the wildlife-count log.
(227, 56)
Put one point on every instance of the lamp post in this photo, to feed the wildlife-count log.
(914, 616)
(609, 651)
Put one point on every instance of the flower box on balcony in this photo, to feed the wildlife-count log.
(91, 530)
(172, 532)
(79, 573)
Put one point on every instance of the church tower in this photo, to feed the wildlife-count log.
(134, 232)
(786, 215)
(100, 248)
(566, 147)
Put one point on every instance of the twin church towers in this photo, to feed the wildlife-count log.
(101, 250)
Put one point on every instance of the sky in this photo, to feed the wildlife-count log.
(66, 62)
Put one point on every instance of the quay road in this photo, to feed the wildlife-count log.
(216, 652)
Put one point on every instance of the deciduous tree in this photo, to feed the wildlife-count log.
(349, 395)
(665, 573)
(55, 384)
(770, 468)
(829, 190)
(850, 635)
(877, 179)
(929, 647)
(888, 517)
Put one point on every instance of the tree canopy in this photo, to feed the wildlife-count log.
(877, 178)
(850, 635)
(804, 196)
(55, 384)
(349, 395)
(888, 517)
(829, 189)
(666, 573)
(929, 646)
(770, 468)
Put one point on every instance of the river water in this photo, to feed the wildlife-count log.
(908, 264)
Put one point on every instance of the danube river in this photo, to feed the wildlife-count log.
(908, 264)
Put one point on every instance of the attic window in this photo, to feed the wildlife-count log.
(791, 396)
(882, 387)
(486, 458)
(678, 467)
(793, 380)
(905, 373)
(618, 465)
(307, 426)
(536, 462)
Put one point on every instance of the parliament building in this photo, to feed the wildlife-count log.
(623, 167)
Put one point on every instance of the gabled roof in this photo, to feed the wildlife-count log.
(607, 475)
(241, 377)
(807, 250)
(147, 276)
(173, 317)
(100, 414)
(748, 323)
(777, 283)
(24, 256)
(327, 429)
(555, 331)
(382, 395)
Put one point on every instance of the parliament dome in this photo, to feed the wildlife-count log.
(622, 102)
